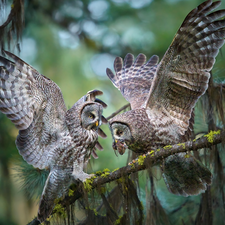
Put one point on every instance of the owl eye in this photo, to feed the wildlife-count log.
(91, 116)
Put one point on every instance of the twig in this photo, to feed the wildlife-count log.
(146, 161)
(118, 111)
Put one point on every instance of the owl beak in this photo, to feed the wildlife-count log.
(94, 125)
(119, 145)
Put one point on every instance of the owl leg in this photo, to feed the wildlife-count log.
(185, 176)
(78, 172)
(56, 185)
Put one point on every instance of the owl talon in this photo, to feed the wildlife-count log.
(82, 176)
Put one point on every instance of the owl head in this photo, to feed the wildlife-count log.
(125, 131)
(86, 113)
(91, 116)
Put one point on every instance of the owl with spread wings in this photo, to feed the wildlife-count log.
(50, 136)
(163, 96)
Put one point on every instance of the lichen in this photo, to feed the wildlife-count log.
(167, 147)
(59, 209)
(70, 193)
(88, 184)
(121, 180)
(95, 212)
(57, 200)
(182, 144)
(117, 222)
(132, 166)
(151, 153)
(141, 159)
(98, 173)
(210, 135)
(106, 170)
(104, 175)
(115, 170)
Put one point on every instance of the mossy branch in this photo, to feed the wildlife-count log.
(141, 163)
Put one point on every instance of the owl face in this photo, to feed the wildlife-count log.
(121, 134)
(91, 116)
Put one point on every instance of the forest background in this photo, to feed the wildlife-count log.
(73, 42)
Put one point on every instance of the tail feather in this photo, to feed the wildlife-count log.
(56, 186)
(185, 176)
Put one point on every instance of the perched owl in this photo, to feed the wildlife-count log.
(49, 135)
(163, 95)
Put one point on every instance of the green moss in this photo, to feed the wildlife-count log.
(88, 184)
(117, 222)
(167, 147)
(57, 200)
(132, 165)
(141, 159)
(106, 170)
(70, 193)
(152, 153)
(182, 144)
(115, 170)
(121, 180)
(98, 173)
(210, 135)
(95, 212)
(105, 174)
(59, 209)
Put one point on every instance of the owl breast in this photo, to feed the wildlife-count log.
(150, 130)
(70, 149)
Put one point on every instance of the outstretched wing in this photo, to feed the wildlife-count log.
(34, 104)
(134, 78)
(183, 74)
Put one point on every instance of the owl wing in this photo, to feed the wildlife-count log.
(182, 75)
(34, 104)
(134, 78)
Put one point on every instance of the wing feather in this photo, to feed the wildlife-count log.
(34, 104)
(183, 73)
(133, 78)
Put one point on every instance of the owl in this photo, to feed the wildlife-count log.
(50, 136)
(163, 95)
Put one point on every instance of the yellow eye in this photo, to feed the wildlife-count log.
(91, 116)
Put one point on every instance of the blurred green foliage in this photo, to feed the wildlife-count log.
(73, 42)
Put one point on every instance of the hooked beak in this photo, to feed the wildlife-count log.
(119, 145)
(94, 125)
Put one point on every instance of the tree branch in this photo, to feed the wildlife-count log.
(141, 163)
(118, 111)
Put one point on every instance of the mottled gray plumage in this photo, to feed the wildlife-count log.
(163, 95)
(49, 135)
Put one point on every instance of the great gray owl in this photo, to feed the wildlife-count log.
(49, 135)
(163, 95)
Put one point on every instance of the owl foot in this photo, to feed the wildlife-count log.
(82, 176)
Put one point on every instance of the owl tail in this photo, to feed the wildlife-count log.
(56, 185)
(185, 175)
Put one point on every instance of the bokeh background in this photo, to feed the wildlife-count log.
(73, 42)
